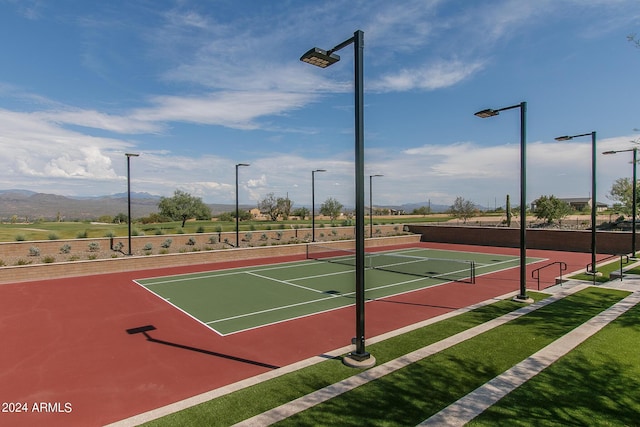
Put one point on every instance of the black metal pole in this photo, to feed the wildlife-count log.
(633, 205)
(594, 204)
(370, 205)
(129, 199)
(358, 47)
(237, 213)
(523, 201)
(313, 206)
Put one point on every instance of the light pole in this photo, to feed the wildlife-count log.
(321, 58)
(633, 196)
(238, 210)
(313, 203)
(371, 204)
(129, 156)
(594, 204)
(523, 191)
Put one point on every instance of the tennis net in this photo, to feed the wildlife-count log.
(459, 270)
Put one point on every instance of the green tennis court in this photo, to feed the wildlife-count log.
(235, 300)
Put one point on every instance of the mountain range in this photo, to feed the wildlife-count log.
(29, 205)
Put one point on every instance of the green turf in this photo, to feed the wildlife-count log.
(412, 394)
(251, 401)
(597, 384)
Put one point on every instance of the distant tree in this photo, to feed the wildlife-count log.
(331, 208)
(622, 192)
(120, 218)
(550, 208)
(269, 206)
(422, 210)
(301, 212)
(183, 206)
(462, 209)
(284, 207)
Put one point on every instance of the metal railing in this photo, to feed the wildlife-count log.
(535, 274)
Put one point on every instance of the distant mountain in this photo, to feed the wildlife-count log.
(29, 205)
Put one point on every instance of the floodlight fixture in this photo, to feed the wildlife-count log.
(320, 57)
(594, 203)
(633, 194)
(360, 357)
(489, 112)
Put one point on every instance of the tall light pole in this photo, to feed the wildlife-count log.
(523, 191)
(129, 156)
(238, 210)
(313, 203)
(321, 58)
(594, 203)
(371, 204)
(633, 196)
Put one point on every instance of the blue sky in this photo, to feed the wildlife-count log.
(198, 86)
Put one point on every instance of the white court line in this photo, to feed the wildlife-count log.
(284, 282)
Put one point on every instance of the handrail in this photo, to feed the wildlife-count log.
(605, 259)
(563, 267)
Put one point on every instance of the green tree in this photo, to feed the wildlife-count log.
(462, 209)
(269, 206)
(301, 212)
(622, 192)
(331, 208)
(284, 207)
(550, 208)
(183, 206)
(422, 210)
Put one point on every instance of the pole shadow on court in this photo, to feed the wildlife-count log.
(145, 329)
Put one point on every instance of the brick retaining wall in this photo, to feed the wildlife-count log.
(607, 242)
(13, 274)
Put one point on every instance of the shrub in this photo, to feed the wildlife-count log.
(20, 238)
(191, 241)
(65, 249)
(94, 247)
(278, 235)
(109, 234)
(159, 232)
(148, 247)
(213, 240)
(34, 251)
(200, 229)
(82, 234)
(166, 244)
(48, 259)
(219, 229)
(264, 237)
(248, 237)
(53, 236)
(118, 246)
(23, 262)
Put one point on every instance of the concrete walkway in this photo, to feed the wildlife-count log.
(468, 407)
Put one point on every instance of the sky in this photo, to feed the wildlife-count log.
(198, 86)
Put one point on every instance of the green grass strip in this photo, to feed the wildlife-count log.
(605, 270)
(240, 405)
(412, 394)
(598, 383)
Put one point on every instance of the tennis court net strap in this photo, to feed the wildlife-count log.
(440, 268)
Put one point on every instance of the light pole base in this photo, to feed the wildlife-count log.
(362, 361)
(523, 299)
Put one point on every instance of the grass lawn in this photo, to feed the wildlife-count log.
(596, 384)
(605, 270)
(412, 394)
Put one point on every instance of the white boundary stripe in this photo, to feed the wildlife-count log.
(312, 399)
(473, 404)
(284, 282)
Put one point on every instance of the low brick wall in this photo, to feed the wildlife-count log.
(607, 242)
(13, 274)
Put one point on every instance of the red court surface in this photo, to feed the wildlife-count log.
(67, 359)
